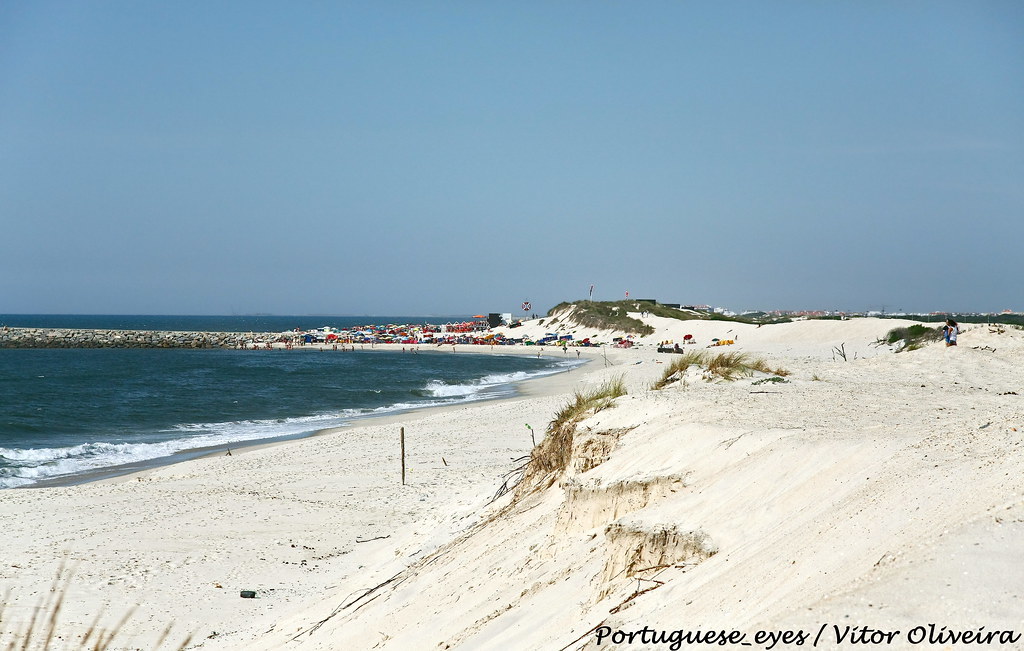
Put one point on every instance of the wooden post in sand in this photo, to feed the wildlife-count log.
(403, 456)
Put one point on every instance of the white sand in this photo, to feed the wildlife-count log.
(888, 492)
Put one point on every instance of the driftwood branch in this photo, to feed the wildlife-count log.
(365, 593)
(512, 478)
(371, 539)
(839, 350)
(635, 595)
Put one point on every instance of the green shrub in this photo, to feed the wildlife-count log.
(911, 337)
(775, 379)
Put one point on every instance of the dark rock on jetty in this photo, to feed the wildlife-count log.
(72, 338)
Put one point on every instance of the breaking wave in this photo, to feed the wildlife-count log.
(488, 386)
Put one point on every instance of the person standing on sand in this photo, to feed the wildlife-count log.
(951, 330)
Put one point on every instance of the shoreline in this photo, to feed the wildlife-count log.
(286, 519)
(124, 472)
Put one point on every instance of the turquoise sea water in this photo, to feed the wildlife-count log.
(65, 412)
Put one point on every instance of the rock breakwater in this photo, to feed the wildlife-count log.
(75, 338)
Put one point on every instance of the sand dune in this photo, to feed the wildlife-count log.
(883, 491)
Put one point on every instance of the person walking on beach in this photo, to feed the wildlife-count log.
(950, 331)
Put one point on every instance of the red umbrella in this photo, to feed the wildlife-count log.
(479, 316)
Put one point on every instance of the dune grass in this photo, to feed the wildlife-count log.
(552, 456)
(678, 367)
(592, 401)
(761, 366)
(723, 366)
(729, 366)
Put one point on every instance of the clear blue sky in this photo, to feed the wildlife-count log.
(455, 157)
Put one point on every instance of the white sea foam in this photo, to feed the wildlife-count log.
(490, 385)
(24, 467)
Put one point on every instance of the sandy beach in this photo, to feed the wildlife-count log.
(882, 491)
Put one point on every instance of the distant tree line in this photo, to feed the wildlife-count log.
(1009, 319)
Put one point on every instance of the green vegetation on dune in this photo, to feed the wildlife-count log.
(614, 315)
(1008, 319)
(912, 337)
(605, 315)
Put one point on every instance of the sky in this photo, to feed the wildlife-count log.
(460, 157)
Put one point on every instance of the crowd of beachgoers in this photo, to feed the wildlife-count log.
(466, 332)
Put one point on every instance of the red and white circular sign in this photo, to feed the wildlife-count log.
(526, 306)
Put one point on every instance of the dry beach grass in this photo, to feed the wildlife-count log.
(43, 629)
(726, 366)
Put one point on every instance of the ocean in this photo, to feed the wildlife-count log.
(75, 413)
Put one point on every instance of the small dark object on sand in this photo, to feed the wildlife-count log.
(248, 594)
